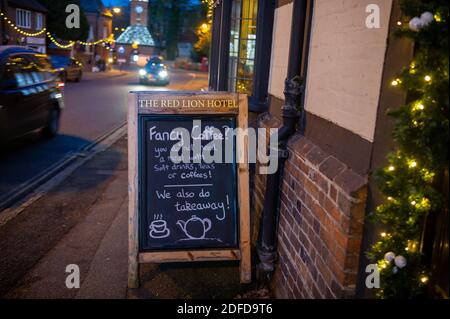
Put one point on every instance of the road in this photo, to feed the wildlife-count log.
(94, 107)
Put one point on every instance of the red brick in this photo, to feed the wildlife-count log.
(352, 262)
(316, 156)
(300, 144)
(321, 284)
(345, 223)
(328, 240)
(316, 227)
(296, 292)
(329, 224)
(341, 238)
(344, 204)
(311, 173)
(329, 294)
(324, 253)
(293, 169)
(350, 279)
(316, 293)
(322, 183)
(319, 213)
(331, 167)
(337, 271)
(350, 182)
(333, 193)
(307, 215)
(324, 271)
(340, 257)
(312, 189)
(303, 240)
(354, 245)
(337, 289)
(304, 169)
(358, 211)
(332, 210)
(295, 242)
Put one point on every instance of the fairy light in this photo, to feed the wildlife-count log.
(18, 30)
(413, 164)
(424, 279)
(427, 78)
(394, 83)
(50, 36)
(212, 3)
(413, 203)
(391, 168)
(383, 234)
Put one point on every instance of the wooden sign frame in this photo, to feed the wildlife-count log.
(137, 105)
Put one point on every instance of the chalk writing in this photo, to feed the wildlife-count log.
(197, 199)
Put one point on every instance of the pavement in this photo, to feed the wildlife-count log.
(82, 220)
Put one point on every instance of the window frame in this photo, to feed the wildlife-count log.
(23, 18)
(220, 52)
(39, 21)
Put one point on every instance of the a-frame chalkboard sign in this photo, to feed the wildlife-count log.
(188, 179)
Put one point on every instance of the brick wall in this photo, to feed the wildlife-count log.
(320, 224)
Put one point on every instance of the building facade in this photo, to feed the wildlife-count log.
(100, 27)
(136, 39)
(29, 16)
(314, 69)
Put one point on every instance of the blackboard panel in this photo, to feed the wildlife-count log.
(185, 206)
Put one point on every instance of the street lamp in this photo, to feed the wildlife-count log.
(117, 10)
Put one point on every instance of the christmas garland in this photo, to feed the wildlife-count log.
(421, 133)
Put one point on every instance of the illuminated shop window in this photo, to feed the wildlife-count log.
(242, 45)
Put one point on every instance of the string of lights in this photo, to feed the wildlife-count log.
(212, 3)
(18, 30)
(60, 45)
(51, 37)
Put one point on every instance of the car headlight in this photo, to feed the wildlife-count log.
(163, 74)
(142, 72)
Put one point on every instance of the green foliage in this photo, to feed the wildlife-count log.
(56, 20)
(203, 45)
(169, 19)
(421, 133)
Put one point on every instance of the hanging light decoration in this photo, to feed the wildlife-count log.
(18, 30)
(50, 36)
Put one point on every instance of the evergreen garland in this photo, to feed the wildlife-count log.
(409, 182)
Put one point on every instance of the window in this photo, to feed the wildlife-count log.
(23, 18)
(242, 45)
(39, 21)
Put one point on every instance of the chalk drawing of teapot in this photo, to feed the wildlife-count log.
(195, 227)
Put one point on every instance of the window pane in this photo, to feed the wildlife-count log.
(242, 45)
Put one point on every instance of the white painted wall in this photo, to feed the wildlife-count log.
(346, 64)
(280, 50)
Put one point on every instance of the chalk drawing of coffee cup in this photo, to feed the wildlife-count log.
(158, 229)
(195, 227)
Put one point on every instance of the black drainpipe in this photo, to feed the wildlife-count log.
(291, 112)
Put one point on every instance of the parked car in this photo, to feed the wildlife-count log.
(31, 95)
(70, 69)
(155, 71)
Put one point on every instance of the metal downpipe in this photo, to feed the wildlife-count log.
(266, 248)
